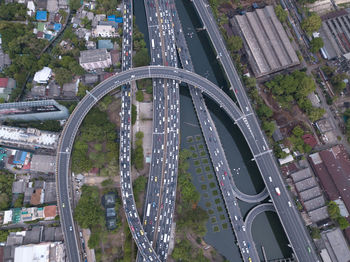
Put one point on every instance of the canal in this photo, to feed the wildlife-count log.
(267, 230)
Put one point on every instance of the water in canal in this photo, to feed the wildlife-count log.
(267, 230)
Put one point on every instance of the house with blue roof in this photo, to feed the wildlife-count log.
(57, 27)
(41, 15)
(119, 20)
(111, 18)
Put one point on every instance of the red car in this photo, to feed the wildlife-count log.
(225, 173)
(222, 183)
(132, 228)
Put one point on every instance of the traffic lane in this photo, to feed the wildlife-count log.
(289, 217)
(294, 220)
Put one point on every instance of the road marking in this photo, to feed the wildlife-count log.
(91, 95)
(263, 153)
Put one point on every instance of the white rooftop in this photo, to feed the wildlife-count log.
(37, 253)
(28, 136)
(7, 216)
(43, 75)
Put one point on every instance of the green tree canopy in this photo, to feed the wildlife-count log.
(311, 23)
(139, 96)
(141, 58)
(234, 43)
(333, 210)
(281, 13)
(316, 44)
(88, 211)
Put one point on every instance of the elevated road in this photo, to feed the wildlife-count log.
(254, 212)
(218, 157)
(290, 217)
(71, 128)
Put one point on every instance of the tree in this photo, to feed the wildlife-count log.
(269, 127)
(133, 114)
(311, 24)
(74, 4)
(343, 223)
(4, 201)
(234, 43)
(62, 76)
(333, 210)
(249, 82)
(139, 96)
(141, 58)
(315, 232)
(316, 44)
(19, 201)
(338, 83)
(298, 131)
(264, 111)
(88, 211)
(316, 113)
(281, 13)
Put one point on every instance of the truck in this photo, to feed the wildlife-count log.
(148, 209)
(165, 238)
(278, 191)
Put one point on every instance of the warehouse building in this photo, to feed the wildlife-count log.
(332, 167)
(266, 42)
(335, 32)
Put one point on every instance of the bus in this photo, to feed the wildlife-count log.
(148, 209)
(152, 43)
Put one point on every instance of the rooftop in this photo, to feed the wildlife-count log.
(332, 166)
(41, 15)
(94, 55)
(266, 41)
(50, 211)
(29, 136)
(336, 245)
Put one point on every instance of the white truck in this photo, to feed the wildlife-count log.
(278, 191)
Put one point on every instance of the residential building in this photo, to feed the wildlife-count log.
(31, 8)
(6, 87)
(104, 31)
(43, 163)
(43, 76)
(28, 137)
(310, 195)
(41, 15)
(336, 246)
(4, 59)
(42, 252)
(103, 43)
(95, 59)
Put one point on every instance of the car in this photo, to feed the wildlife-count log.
(270, 179)
(225, 173)
(222, 183)
(243, 227)
(309, 249)
(132, 229)
(289, 204)
(63, 205)
(70, 228)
